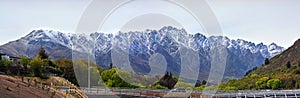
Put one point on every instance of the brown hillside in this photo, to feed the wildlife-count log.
(286, 74)
(292, 55)
(11, 87)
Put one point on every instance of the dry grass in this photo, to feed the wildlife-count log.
(12, 87)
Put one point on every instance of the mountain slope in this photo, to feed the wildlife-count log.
(285, 67)
(242, 55)
(279, 62)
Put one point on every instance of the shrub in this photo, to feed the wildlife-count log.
(262, 83)
(254, 75)
(296, 71)
(231, 81)
(200, 87)
(158, 86)
(274, 83)
(230, 88)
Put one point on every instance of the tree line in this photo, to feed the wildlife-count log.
(40, 66)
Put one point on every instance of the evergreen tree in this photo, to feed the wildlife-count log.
(168, 75)
(204, 82)
(168, 81)
(40, 64)
(110, 66)
(288, 64)
(267, 61)
(198, 83)
(42, 53)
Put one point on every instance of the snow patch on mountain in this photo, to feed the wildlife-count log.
(144, 41)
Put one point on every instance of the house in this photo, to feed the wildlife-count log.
(16, 61)
(1, 54)
(4, 56)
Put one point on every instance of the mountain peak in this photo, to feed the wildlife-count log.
(196, 41)
(274, 49)
(170, 28)
(297, 43)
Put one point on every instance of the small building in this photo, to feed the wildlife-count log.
(4, 56)
(16, 61)
(1, 54)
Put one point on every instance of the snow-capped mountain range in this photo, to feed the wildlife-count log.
(243, 55)
(196, 41)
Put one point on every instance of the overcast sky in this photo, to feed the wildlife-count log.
(258, 21)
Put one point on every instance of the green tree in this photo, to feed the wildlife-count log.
(274, 83)
(6, 64)
(36, 66)
(112, 78)
(262, 83)
(107, 74)
(24, 61)
(109, 83)
(66, 66)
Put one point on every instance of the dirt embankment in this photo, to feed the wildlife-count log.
(13, 87)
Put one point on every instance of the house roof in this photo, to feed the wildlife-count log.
(15, 57)
(12, 56)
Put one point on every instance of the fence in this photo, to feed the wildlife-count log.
(194, 94)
